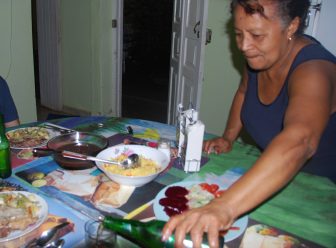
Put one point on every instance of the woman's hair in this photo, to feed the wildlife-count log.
(287, 10)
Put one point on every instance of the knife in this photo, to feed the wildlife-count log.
(58, 128)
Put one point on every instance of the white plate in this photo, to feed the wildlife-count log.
(44, 142)
(160, 214)
(42, 215)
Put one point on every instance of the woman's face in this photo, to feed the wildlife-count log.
(263, 41)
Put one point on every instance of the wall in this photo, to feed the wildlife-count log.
(86, 68)
(16, 55)
(221, 69)
(325, 31)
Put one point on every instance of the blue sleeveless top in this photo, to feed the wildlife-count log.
(264, 122)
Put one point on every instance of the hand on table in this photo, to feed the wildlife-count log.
(211, 218)
(217, 145)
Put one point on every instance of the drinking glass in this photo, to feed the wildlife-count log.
(96, 236)
(164, 146)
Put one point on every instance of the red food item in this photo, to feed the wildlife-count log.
(171, 211)
(173, 202)
(176, 201)
(176, 192)
(211, 188)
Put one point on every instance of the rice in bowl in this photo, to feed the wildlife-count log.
(147, 167)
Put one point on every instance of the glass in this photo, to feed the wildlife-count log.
(96, 236)
(164, 146)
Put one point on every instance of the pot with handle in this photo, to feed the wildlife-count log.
(81, 142)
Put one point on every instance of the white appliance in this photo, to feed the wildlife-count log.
(189, 135)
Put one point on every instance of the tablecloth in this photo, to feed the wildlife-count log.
(306, 207)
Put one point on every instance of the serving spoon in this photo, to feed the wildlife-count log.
(47, 237)
(132, 161)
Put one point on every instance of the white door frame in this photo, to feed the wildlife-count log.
(118, 54)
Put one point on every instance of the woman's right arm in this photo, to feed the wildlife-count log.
(234, 124)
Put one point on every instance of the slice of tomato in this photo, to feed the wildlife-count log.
(205, 186)
(211, 188)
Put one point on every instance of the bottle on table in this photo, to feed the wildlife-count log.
(5, 164)
(147, 234)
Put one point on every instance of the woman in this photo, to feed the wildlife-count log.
(286, 101)
(7, 106)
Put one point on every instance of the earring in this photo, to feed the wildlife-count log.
(290, 38)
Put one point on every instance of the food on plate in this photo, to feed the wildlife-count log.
(28, 137)
(17, 212)
(260, 236)
(147, 167)
(179, 199)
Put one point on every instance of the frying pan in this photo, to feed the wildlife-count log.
(80, 142)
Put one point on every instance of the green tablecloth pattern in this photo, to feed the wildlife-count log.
(306, 207)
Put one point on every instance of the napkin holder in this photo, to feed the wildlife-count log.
(190, 132)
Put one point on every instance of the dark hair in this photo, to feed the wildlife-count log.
(287, 10)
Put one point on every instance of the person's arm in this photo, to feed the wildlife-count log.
(311, 95)
(12, 123)
(234, 124)
(7, 105)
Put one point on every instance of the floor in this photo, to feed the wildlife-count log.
(148, 102)
(43, 112)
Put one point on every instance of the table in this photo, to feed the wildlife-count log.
(306, 208)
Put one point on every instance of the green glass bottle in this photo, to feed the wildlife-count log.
(5, 164)
(147, 234)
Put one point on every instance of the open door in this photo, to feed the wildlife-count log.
(48, 29)
(187, 55)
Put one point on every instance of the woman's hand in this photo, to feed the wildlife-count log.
(211, 218)
(217, 145)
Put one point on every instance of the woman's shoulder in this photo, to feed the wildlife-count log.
(312, 50)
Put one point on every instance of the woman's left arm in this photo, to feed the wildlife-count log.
(311, 101)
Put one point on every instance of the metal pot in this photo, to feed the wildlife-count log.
(80, 142)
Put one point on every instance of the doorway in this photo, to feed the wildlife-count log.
(146, 58)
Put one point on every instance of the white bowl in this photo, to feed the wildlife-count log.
(147, 152)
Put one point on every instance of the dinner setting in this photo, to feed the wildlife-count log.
(90, 190)
(130, 154)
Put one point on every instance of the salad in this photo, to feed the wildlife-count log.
(179, 199)
(17, 212)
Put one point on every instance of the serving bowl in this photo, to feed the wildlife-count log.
(113, 152)
(80, 142)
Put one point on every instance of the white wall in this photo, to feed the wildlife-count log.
(326, 33)
(16, 55)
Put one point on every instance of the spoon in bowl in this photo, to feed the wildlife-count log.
(132, 161)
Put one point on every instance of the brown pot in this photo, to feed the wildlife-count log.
(80, 142)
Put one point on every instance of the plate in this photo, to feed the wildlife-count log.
(160, 214)
(42, 215)
(30, 137)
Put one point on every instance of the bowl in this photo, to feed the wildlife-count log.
(80, 142)
(147, 152)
